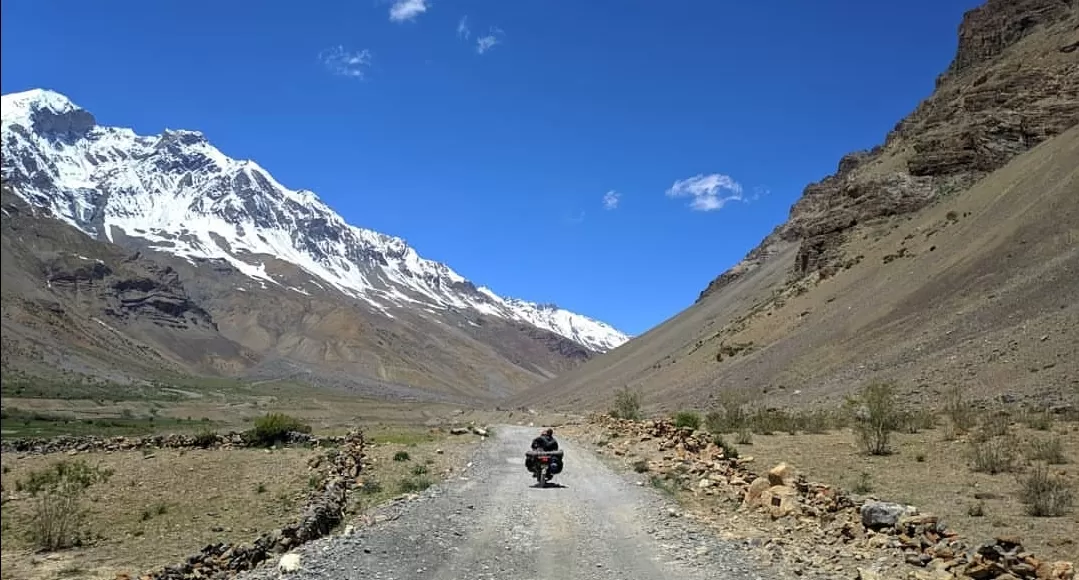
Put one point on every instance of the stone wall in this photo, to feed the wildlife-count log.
(88, 443)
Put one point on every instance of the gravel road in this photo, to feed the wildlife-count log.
(492, 523)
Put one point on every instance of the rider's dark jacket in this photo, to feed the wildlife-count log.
(545, 443)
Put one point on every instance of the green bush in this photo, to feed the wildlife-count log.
(414, 484)
(205, 438)
(687, 420)
(729, 451)
(401, 456)
(627, 405)
(876, 415)
(274, 428)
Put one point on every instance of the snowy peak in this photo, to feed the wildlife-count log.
(180, 194)
(47, 113)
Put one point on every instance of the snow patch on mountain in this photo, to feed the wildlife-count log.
(182, 195)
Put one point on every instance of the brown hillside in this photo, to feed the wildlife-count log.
(949, 255)
(79, 309)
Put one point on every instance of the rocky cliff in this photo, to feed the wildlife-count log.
(1013, 83)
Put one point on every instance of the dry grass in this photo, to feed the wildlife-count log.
(158, 508)
(938, 476)
(402, 460)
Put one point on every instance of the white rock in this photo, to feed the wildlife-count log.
(289, 562)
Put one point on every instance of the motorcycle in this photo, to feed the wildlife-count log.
(544, 465)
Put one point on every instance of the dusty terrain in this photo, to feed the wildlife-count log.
(809, 525)
(947, 256)
(491, 523)
(160, 506)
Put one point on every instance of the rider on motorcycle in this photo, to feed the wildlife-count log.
(545, 441)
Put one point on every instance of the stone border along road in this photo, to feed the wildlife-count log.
(491, 523)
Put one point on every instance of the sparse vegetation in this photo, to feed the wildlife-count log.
(413, 484)
(976, 510)
(1045, 495)
(876, 415)
(57, 510)
(687, 420)
(730, 415)
(729, 450)
(1049, 450)
(1039, 420)
(627, 404)
(401, 456)
(959, 411)
(864, 483)
(994, 455)
(640, 466)
(745, 436)
(273, 428)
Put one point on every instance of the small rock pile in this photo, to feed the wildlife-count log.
(91, 443)
(922, 540)
(323, 510)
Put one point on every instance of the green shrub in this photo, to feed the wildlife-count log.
(627, 405)
(274, 428)
(205, 438)
(687, 420)
(730, 451)
(414, 484)
(876, 414)
(401, 456)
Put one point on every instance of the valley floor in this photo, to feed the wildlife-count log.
(491, 523)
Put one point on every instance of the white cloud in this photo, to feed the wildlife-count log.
(709, 192)
(402, 10)
(485, 43)
(346, 63)
(463, 31)
(611, 199)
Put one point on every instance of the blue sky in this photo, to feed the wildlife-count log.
(493, 146)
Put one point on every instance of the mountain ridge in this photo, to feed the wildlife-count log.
(182, 195)
(905, 263)
(925, 157)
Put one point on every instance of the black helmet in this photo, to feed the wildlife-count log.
(548, 432)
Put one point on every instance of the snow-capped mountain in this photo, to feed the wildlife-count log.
(182, 195)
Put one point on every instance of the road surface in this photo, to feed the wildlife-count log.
(491, 522)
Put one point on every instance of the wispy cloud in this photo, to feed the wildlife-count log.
(611, 199)
(403, 10)
(493, 37)
(708, 192)
(340, 61)
(463, 31)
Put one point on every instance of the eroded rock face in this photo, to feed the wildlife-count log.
(1014, 83)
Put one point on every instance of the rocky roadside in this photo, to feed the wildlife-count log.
(811, 529)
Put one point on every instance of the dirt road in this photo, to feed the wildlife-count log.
(492, 523)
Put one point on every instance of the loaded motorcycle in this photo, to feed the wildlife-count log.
(543, 464)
